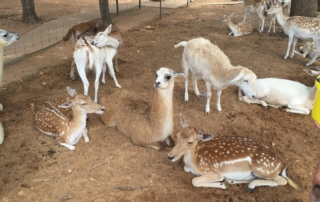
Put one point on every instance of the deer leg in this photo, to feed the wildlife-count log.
(209, 180)
(245, 14)
(262, 20)
(72, 70)
(112, 74)
(104, 73)
(238, 181)
(195, 85)
(169, 141)
(85, 135)
(82, 74)
(116, 62)
(295, 39)
(70, 147)
(256, 183)
(289, 45)
(96, 82)
(297, 109)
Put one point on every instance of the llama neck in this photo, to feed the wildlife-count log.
(1, 63)
(161, 110)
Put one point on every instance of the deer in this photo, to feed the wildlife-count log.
(91, 29)
(66, 118)
(6, 38)
(234, 159)
(298, 27)
(239, 29)
(98, 55)
(307, 50)
(255, 7)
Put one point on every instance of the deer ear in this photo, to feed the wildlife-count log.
(108, 29)
(99, 23)
(72, 92)
(204, 137)
(66, 104)
(183, 122)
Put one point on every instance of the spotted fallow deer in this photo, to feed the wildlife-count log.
(66, 117)
(234, 159)
(298, 27)
(240, 29)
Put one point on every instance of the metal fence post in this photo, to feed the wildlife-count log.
(160, 8)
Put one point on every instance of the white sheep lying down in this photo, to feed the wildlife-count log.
(206, 61)
(274, 92)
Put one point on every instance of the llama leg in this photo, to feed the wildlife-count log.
(72, 70)
(112, 74)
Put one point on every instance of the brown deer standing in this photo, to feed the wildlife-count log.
(66, 117)
(235, 159)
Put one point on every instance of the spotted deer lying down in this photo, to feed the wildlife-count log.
(234, 159)
(240, 29)
(66, 118)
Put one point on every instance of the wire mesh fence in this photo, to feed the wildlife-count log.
(67, 13)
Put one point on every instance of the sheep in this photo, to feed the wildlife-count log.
(148, 127)
(240, 29)
(102, 52)
(206, 61)
(296, 97)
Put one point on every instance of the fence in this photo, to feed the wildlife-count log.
(51, 32)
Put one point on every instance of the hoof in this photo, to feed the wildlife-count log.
(249, 190)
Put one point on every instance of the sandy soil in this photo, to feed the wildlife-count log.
(110, 167)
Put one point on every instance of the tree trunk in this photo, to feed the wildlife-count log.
(306, 8)
(104, 10)
(29, 13)
(318, 5)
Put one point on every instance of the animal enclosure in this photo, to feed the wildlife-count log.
(110, 167)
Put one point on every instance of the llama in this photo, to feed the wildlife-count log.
(149, 130)
(6, 38)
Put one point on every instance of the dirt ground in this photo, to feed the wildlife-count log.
(110, 168)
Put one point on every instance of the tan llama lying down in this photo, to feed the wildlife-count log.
(146, 126)
(234, 159)
(66, 117)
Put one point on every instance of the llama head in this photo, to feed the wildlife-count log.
(6, 37)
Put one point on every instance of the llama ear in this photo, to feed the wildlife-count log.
(183, 122)
(233, 14)
(176, 74)
(204, 137)
(66, 104)
(72, 92)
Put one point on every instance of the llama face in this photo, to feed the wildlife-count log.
(6, 37)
